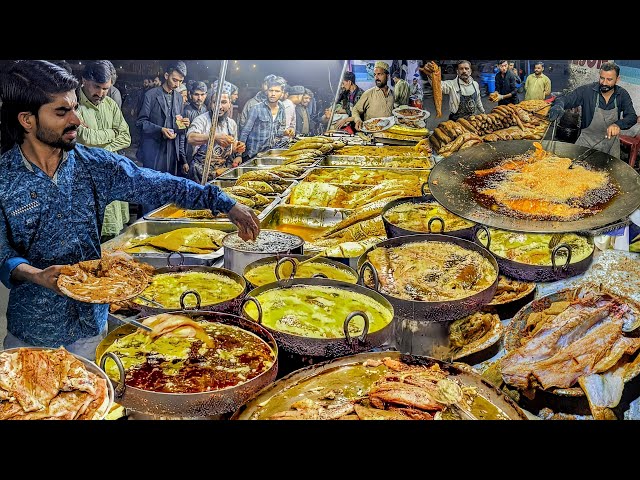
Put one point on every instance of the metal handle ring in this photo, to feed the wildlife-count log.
(485, 230)
(120, 387)
(198, 300)
(367, 265)
(345, 327)
(433, 219)
(319, 275)
(181, 259)
(424, 189)
(554, 253)
(258, 306)
(294, 266)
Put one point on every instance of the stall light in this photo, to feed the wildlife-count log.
(237, 68)
(253, 66)
(235, 61)
(79, 63)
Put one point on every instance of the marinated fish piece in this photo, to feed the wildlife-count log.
(403, 394)
(604, 391)
(258, 175)
(359, 214)
(186, 240)
(257, 185)
(367, 413)
(317, 194)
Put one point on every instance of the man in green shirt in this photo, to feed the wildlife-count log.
(104, 126)
(538, 85)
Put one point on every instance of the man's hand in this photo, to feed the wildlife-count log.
(359, 125)
(555, 112)
(236, 161)
(239, 147)
(613, 130)
(289, 132)
(342, 122)
(48, 278)
(224, 140)
(168, 133)
(185, 168)
(246, 221)
(186, 122)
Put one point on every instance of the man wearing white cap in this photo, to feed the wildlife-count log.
(376, 101)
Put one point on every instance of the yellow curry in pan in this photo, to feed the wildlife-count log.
(166, 288)
(533, 248)
(416, 216)
(266, 273)
(318, 311)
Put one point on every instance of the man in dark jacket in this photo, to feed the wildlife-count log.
(162, 145)
(606, 109)
(506, 84)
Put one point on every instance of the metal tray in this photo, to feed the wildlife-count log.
(419, 172)
(158, 260)
(376, 161)
(163, 214)
(235, 173)
(262, 162)
(271, 152)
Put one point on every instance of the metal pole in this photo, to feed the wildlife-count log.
(335, 100)
(214, 122)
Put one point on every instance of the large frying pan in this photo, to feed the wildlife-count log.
(447, 185)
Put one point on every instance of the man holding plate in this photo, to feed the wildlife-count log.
(376, 101)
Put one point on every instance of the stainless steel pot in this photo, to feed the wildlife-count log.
(539, 273)
(422, 328)
(228, 306)
(435, 224)
(236, 257)
(326, 347)
(294, 260)
(190, 405)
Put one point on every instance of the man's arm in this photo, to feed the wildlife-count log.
(248, 127)
(479, 105)
(547, 86)
(120, 126)
(357, 112)
(93, 136)
(626, 107)
(143, 117)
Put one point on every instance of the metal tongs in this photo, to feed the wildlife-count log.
(135, 323)
(152, 302)
(586, 153)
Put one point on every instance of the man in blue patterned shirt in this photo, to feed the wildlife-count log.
(266, 122)
(53, 194)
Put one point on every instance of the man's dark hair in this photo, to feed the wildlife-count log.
(500, 62)
(608, 66)
(25, 86)
(350, 76)
(197, 86)
(460, 62)
(179, 67)
(539, 62)
(99, 71)
(64, 64)
(276, 83)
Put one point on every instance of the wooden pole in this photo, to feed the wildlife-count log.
(214, 122)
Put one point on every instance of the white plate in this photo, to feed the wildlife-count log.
(384, 124)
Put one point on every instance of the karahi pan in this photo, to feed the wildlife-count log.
(447, 184)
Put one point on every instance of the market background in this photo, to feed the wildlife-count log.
(323, 78)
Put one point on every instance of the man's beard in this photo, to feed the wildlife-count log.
(52, 139)
(379, 84)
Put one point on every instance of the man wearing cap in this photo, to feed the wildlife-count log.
(196, 106)
(350, 95)
(294, 98)
(376, 101)
(259, 97)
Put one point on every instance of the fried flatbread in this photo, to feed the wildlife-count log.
(113, 278)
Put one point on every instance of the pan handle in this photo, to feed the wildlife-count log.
(258, 306)
(433, 219)
(477, 239)
(169, 259)
(554, 253)
(121, 387)
(425, 189)
(198, 300)
(367, 265)
(294, 267)
(345, 327)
